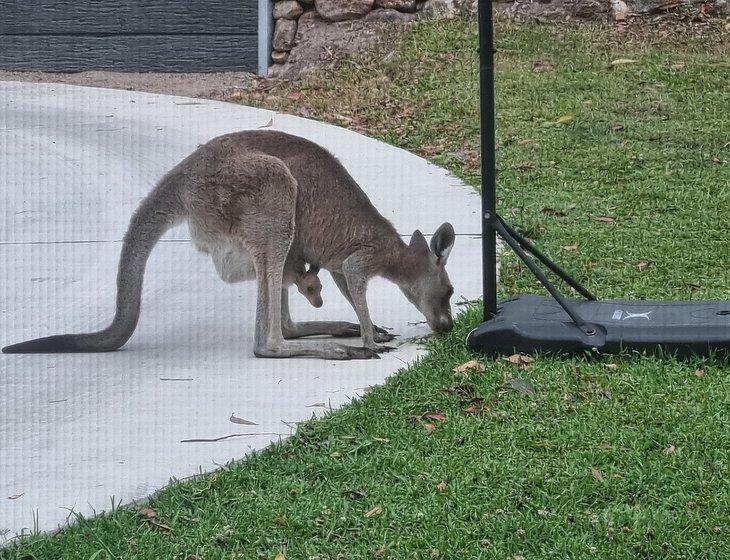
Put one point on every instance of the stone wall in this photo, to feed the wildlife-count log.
(305, 29)
(293, 17)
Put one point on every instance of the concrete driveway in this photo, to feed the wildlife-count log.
(77, 430)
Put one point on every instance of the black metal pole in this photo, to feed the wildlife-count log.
(489, 195)
(567, 278)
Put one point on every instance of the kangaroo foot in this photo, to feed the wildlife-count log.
(357, 353)
(383, 336)
(353, 330)
(382, 348)
(327, 351)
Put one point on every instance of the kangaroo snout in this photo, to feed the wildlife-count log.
(442, 324)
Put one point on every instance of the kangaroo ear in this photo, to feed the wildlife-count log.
(442, 242)
(418, 241)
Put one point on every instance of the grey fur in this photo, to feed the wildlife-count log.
(262, 203)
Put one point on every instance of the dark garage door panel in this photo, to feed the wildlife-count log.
(133, 35)
(143, 53)
(128, 16)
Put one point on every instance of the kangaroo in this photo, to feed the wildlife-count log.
(265, 197)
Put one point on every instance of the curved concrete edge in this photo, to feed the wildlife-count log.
(77, 429)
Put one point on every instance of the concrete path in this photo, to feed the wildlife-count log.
(76, 430)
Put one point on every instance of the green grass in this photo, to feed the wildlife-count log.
(613, 457)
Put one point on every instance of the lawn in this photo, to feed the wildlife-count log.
(613, 156)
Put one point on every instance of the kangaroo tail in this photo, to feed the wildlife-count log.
(157, 213)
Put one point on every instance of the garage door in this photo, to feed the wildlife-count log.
(142, 35)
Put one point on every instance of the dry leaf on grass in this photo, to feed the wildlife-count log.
(434, 415)
(610, 366)
(641, 266)
(542, 66)
(148, 513)
(441, 486)
(520, 359)
(429, 427)
(699, 373)
(468, 156)
(565, 119)
(526, 142)
(597, 474)
(623, 61)
(570, 248)
(521, 385)
(344, 119)
(374, 512)
(431, 150)
(475, 365)
(473, 408)
(280, 556)
(604, 219)
(554, 212)
(670, 449)
(280, 520)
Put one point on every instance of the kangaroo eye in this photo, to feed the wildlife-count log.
(310, 290)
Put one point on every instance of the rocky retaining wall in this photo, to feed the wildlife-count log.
(343, 23)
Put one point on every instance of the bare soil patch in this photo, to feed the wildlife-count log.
(215, 85)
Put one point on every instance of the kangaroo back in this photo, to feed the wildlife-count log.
(157, 213)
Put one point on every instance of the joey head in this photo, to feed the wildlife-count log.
(309, 285)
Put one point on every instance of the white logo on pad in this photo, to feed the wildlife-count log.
(644, 315)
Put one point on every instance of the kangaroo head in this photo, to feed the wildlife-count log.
(429, 287)
(309, 285)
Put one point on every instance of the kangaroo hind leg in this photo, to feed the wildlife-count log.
(267, 232)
